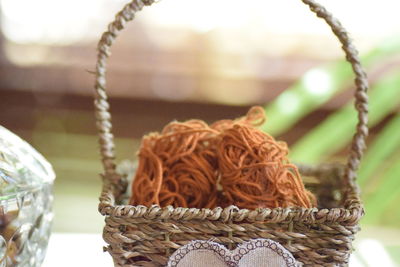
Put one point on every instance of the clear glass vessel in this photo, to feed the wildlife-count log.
(26, 182)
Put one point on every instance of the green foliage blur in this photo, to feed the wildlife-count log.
(380, 168)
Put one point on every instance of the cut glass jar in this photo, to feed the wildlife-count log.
(26, 182)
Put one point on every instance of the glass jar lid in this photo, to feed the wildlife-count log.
(22, 168)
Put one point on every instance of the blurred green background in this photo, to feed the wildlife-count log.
(174, 64)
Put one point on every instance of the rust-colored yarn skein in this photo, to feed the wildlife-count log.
(177, 167)
(231, 162)
(255, 171)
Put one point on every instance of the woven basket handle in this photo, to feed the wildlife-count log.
(127, 14)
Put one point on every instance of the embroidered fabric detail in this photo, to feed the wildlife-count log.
(256, 252)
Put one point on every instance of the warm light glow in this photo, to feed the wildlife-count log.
(201, 16)
(317, 82)
(273, 17)
(68, 21)
(49, 21)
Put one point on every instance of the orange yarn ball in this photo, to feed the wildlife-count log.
(176, 167)
(255, 171)
(231, 162)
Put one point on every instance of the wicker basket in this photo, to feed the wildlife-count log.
(146, 236)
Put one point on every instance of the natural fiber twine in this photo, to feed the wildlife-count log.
(146, 236)
(186, 164)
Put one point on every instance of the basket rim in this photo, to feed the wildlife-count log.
(350, 214)
(234, 214)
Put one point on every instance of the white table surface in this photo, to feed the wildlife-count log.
(67, 249)
(76, 250)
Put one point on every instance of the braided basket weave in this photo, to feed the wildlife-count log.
(146, 236)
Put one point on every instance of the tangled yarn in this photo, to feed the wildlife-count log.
(231, 162)
(255, 171)
(177, 167)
